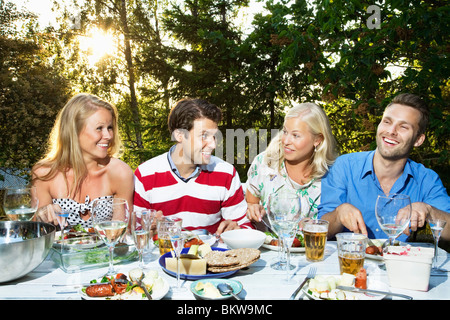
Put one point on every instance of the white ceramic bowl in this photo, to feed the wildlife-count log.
(243, 238)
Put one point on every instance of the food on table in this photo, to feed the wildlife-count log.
(212, 260)
(272, 239)
(374, 250)
(187, 266)
(234, 259)
(193, 241)
(207, 289)
(361, 279)
(121, 288)
(325, 287)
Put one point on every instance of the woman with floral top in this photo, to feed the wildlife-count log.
(295, 160)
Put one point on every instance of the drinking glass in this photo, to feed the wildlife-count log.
(61, 216)
(141, 223)
(177, 239)
(351, 251)
(20, 204)
(315, 234)
(436, 226)
(110, 220)
(284, 213)
(163, 228)
(393, 212)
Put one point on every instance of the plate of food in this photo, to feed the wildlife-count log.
(374, 250)
(324, 287)
(206, 289)
(208, 262)
(125, 287)
(271, 242)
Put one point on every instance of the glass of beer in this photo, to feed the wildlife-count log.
(315, 235)
(351, 251)
(164, 226)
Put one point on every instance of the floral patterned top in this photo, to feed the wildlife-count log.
(263, 180)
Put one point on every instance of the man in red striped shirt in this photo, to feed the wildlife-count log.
(188, 182)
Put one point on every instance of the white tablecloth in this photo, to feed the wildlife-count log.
(260, 281)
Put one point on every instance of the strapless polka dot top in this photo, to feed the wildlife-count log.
(76, 210)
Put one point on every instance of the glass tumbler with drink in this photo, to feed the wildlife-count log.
(315, 235)
(110, 220)
(164, 226)
(20, 204)
(351, 251)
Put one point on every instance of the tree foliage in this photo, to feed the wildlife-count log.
(327, 51)
(31, 91)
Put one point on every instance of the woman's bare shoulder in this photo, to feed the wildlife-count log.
(120, 169)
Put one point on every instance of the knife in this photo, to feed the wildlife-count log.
(353, 289)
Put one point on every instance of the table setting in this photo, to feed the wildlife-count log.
(181, 264)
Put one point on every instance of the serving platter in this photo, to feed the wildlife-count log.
(373, 284)
(156, 294)
(162, 263)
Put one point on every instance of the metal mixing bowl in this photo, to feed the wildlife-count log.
(23, 246)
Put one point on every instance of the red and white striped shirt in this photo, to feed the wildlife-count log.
(215, 194)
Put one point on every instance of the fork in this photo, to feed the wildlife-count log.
(311, 274)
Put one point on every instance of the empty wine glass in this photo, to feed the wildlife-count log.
(177, 239)
(284, 213)
(393, 213)
(110, 220)
(436, 226)
(141, 223)
(61, 216)
(20, 204)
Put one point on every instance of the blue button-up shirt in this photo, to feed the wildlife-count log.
(352, 180)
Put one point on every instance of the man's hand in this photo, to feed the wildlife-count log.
(420, 211)
(351, 218)
(227, 225)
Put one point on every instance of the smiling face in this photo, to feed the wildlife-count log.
(199, 143)
(397, 132)
(297, 140)
(97, 134)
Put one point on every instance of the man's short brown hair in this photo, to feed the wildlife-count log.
(414, 101)
(186, 111)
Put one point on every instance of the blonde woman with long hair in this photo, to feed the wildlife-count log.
(81, 165)
(296, 159)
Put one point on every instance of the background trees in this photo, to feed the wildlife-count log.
(318, 50)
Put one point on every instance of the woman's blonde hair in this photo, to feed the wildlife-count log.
(64, 152)
(325, 153)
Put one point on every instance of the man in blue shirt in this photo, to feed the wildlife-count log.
(350, 189)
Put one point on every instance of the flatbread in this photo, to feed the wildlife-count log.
(221, 259)
(245, 256)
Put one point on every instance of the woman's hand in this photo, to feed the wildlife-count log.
(255, 212)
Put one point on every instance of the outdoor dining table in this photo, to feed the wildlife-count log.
(259, 280)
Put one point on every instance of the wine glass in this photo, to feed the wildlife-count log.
(436, 226)
(177, 239)
(284, 213)
(20, 204)
(393, 212)
(141, 223)
(110, 220)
